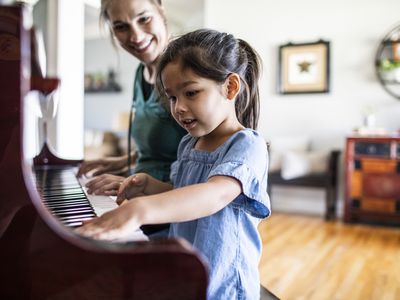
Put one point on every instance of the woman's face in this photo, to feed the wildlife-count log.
(139, 28)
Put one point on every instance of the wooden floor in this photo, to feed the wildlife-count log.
(308, 258)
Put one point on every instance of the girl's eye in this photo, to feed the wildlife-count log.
(171, 98)
(191, 93)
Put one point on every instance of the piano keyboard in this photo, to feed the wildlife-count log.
(66, 197)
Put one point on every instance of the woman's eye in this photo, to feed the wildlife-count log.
(120, 27)
(144, 20)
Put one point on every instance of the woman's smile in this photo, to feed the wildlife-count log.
(141, 47)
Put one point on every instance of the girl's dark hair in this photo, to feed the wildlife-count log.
(215, 55)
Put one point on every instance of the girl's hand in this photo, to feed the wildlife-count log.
(133, 186)
(105, 184)
(104, 165)
(116, 224)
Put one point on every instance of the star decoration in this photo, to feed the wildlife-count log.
(304, 66)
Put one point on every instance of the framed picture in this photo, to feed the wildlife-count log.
(304, 68)
(396, 51)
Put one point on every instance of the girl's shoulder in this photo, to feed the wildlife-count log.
(246, 139)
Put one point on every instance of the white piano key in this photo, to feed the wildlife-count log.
(101, 204)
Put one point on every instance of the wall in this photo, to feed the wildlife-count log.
(354, 29)
(101, 109)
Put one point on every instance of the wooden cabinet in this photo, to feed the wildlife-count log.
(372, 188)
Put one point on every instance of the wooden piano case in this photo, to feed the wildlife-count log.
(40, 258)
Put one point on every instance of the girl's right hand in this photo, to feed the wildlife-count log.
(133, 186)
(103, 165)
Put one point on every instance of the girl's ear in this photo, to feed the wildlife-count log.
(232, 84)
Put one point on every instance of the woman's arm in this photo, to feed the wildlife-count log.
(178, 205)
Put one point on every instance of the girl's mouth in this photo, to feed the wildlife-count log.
(188, 123)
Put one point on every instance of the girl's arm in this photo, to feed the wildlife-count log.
(178, 205)
(187, 203)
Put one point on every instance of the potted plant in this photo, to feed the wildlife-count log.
(390, 69)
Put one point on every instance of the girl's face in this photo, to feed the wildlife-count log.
(197, 104)
(139, 27)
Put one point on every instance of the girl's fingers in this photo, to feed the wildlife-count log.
(104, 184)
(124, 184)
(128, 183)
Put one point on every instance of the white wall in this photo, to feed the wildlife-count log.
(354, 29)
(102, 108)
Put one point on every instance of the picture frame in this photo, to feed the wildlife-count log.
(304, 68)
(396, 51)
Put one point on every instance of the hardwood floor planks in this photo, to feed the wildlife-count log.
(309, 258)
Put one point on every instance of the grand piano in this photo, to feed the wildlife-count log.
(41, 201)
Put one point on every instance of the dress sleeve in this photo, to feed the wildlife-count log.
(245, 158)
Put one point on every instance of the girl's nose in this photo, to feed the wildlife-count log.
(179, 107)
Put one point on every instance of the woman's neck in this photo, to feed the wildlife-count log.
(149, 73)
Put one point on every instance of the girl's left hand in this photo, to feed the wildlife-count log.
(116, 224)
(105, 184)
(133, 186)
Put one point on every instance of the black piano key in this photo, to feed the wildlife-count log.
(58, 188)
(77, 213)
(62, 194)
(92, 215)
(61, 205)
(60, 197)
(70, 209)
(65, 191)
(65, 198)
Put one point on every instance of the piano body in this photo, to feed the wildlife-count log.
(40, 256)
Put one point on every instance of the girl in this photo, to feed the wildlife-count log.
(219, 187)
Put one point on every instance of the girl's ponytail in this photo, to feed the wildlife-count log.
(248, 108)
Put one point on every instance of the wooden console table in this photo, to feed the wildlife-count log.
(372, 187)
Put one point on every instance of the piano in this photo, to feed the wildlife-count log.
(41, 201)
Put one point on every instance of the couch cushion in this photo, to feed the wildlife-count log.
(302, 163)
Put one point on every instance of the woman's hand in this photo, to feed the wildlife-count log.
(116, 224)
(133, 186)
(105, 184)
(104, 165)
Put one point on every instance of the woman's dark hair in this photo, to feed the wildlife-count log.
(215, 55)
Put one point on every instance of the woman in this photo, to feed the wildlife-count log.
(139, 27)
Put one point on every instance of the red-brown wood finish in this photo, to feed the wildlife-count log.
(39, 257)
(372, 179)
